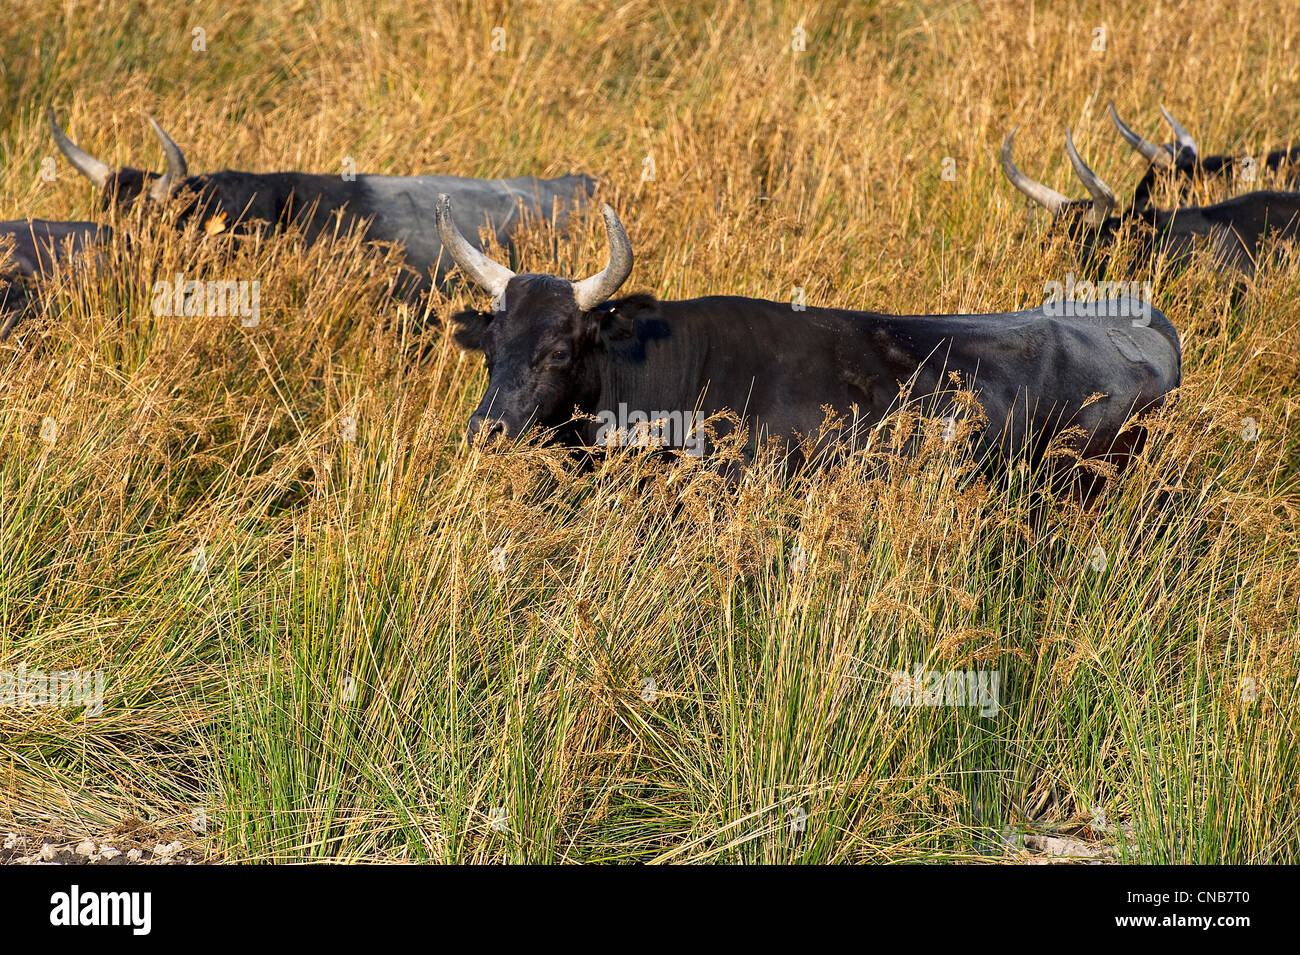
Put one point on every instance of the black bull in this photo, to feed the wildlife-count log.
(1234, 232)
(778, 369)
(1034, 372)
(395, 209)
(1183, 161)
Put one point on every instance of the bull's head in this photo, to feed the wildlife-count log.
(542, 337)
(1182, 153)
(1181, 158)
(1086, 220)
(126, 184)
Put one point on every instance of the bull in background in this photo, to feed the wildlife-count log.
(398, 209)
(1234, 230)
(1182, 160)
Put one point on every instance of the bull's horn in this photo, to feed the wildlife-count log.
(86, 164)
(1049, 199)
(1103, 200)
(1181, 136)
(492, 276)
(1156, 155)
(590, 292)
(177, 170)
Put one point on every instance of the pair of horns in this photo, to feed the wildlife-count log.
(1162, 156)
(1103, 199)
(99, 173)
(493, 276)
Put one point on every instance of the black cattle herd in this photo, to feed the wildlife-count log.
(568, 358)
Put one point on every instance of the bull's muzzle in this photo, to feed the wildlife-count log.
(485, 426)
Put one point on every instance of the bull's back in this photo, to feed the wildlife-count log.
(1086, 365)
(1034, 371)
(39, 244)
(33, 249)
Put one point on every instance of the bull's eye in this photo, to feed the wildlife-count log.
(560, 355)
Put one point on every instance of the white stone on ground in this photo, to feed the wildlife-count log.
(167, 851)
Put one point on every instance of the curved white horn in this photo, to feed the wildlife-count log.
(1049, 199)
(177, 169)
(1181, 136)
(1156, 155)
(1103, 200)
(492, 276)
(86, 164)
(590, 292)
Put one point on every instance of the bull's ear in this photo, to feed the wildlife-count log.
(615, 324)
(467, 329)
(617, 319)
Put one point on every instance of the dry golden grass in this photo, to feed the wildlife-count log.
(351, 677)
